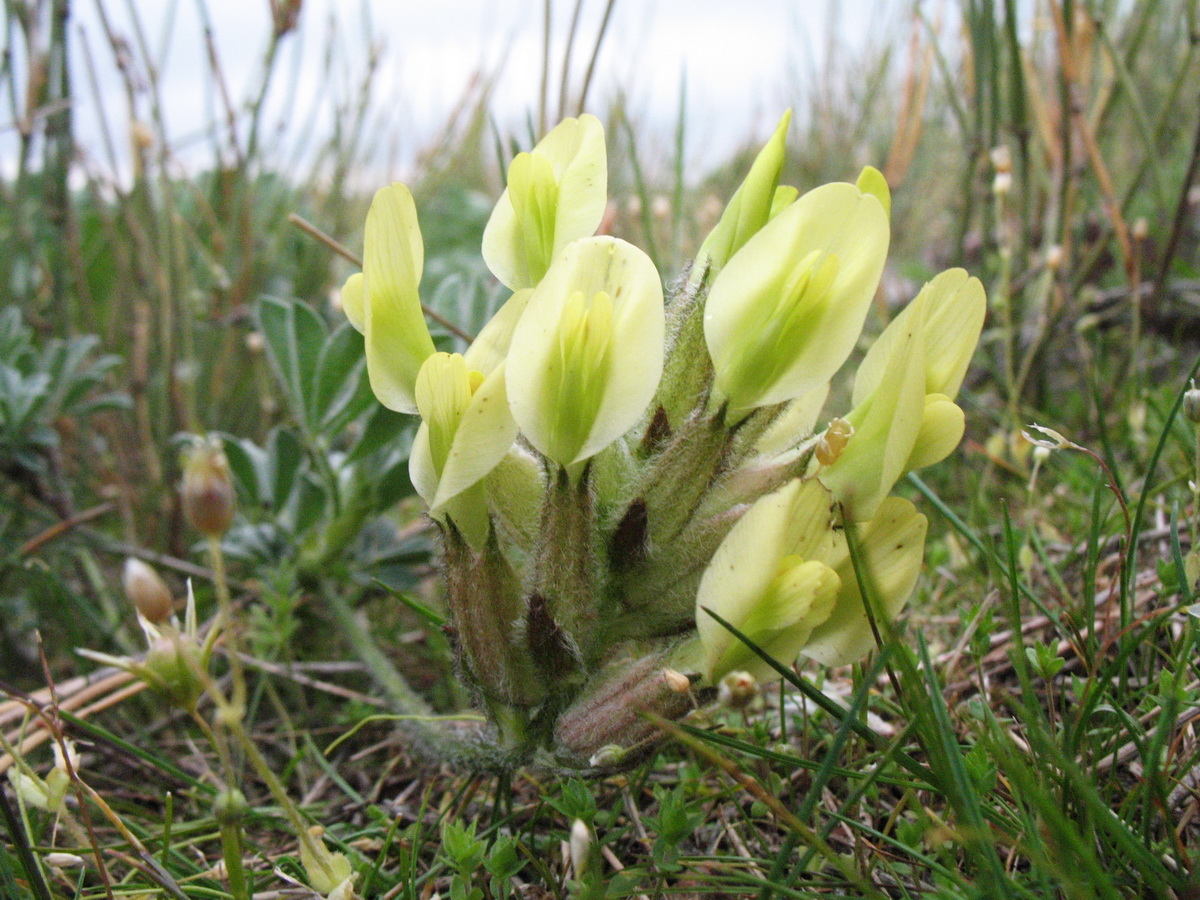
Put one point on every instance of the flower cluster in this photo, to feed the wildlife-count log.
(606, 465)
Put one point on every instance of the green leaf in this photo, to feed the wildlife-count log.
(382, 427)
(294, 335)
(394, 484)
(309, 505)
(341, 391)
(285, 456)
(248, 463)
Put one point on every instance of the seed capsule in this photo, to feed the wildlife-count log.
(147, 591)
(208, 495)
(1191, 404)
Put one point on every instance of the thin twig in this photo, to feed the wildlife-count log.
(591, 69)
(1179, 223)
(60, 527)
(309, 228)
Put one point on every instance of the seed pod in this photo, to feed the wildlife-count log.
(738, 690)
(147, 591)
(208, 495)
(1191, 404)
(230, 807)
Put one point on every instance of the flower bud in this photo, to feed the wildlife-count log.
(581, 846)
(677, 681)
(1001, 159)
(66, 756)
(147, 591)
(738, 690)
(749, 209)
(327, 871)
(208, 495)
(64, 861)
(610, 756)
(230, 807)
(1191, 404)
(141, 135)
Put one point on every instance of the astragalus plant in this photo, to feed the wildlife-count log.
(605, 464)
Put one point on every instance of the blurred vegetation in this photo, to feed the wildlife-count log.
(1030, 734)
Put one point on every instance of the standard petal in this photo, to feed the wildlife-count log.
(751, 205)
(580, 163)
(953, 306)
(892, 545)
(586, 355)
(784, 314)
(397, 339)
(515, 247)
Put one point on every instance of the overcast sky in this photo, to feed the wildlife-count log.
(736, 55)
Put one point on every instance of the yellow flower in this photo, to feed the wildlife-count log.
(466, 429)
(904, 416)
(783, 577)
(556, 194)
(785, 312)
(757, 199)
(383, 301)
(586, 355)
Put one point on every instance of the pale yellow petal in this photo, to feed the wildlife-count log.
(751, 205)
(575, 153)
(871, 181)
(798, 601)
(792, 521)
(485, 433)
(421, 469)
(952, 307)
(942, 427)
(490, 347)
(893, 546)
(886, 426)
(784, 314)
(570, 405)
(352, 301)
(397, 338)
